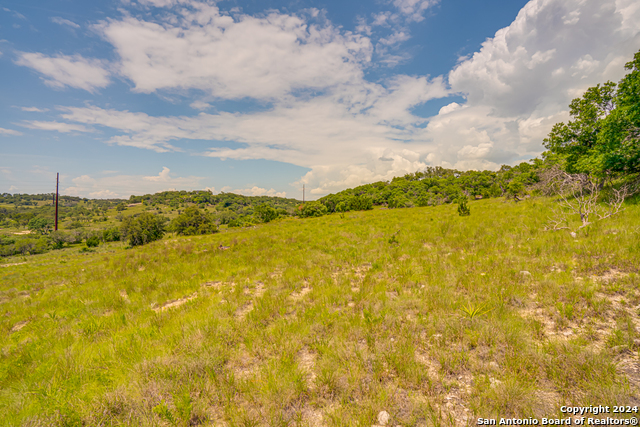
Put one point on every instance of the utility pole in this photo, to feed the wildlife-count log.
(57, 183)
(302, 193)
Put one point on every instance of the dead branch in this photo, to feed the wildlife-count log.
(579, 194)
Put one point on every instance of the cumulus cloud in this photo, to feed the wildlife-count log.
(324, 114)
(257, 191)
(62, 70)
(258, 57)
(123, 186)
(520, 82)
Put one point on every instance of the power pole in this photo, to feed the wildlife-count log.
(57, 183)
(302, 193)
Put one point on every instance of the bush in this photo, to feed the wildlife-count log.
(463, 207)
(361, 203)
(143, 229)
(399, 201)
(236, 222)
(58, 239)
(313, 209)
(266, 213)
(41, 225)
(25, 245)
(192, 222)
(111, 235)
(93, 241)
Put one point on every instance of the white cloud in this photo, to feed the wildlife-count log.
(62, 70)
(414, 9)
(4, 131)
(262, 58)
(57, 126)
(521, 81)
(257, 191)
(516, 87)
(199, 105)
(34, 109)
(61, 21)
(123, 186)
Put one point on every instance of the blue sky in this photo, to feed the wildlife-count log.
(260, 97)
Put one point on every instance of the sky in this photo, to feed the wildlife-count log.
(261, 97)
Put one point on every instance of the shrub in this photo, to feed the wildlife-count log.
(111, 235)
(41, 225)
(192, 222)
(93, 241)
(266, 213)
(463, 207)
(236, 222)
(25, 245)
(58, 239)
(399, 201)
(313, 209)
(142, 229)
(361, 203)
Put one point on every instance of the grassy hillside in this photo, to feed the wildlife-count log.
(435, 318)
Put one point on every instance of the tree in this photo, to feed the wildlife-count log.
(142, 229)
(604, 136)
(192, 222)
(41, 225)
(266, 213)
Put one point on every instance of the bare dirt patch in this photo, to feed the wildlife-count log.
(19, 325)
(297, 296)
(175, 303)
(11, 265)
(307, 363)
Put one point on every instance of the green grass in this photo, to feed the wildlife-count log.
(328, 321)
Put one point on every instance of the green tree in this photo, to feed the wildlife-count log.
(41, 225)
(603, 137)
(142, 229)
(266, 213)
(192, 222)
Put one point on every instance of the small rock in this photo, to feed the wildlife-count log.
(525, 273)
(383, 418)
(573, 234)
(494, 382)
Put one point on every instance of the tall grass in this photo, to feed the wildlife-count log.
(437, 319)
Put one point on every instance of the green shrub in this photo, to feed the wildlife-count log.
(192, 222)
(41, 225)
(266, 213)
(93, 241)
(361, 203)
(111, 235)
(313, 209)
(463, 207)
(236, 222)
(142, 229)
(58, 239)
(24, 246)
